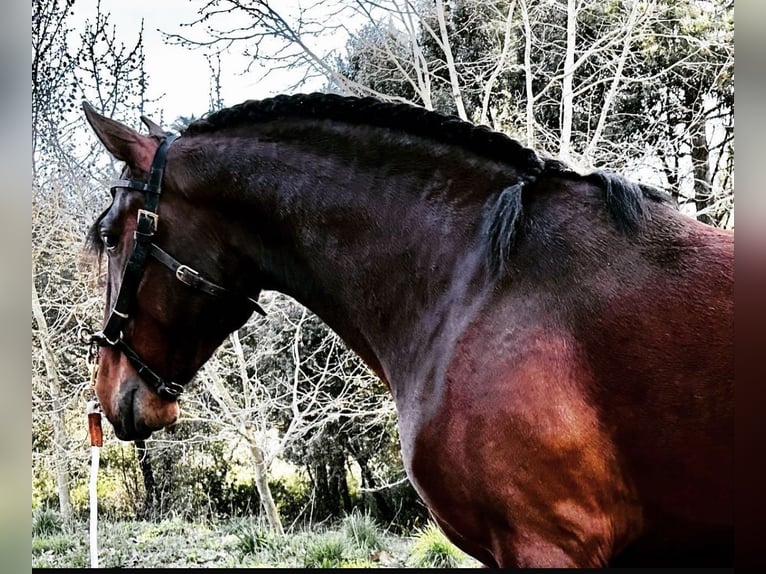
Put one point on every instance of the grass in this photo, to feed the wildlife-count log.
(252, 539)
(46, 522)
(328, 550)
(355, 542)
(432, 549)
(362, 530)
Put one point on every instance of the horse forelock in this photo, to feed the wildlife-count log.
(94, 244)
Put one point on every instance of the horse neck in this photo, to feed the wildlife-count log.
(388, 252)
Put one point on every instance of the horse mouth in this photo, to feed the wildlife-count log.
(127, 427)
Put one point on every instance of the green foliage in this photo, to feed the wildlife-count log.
(43, 487)
(350, 545)
(362, 530)
(57, 544)
(254, 538)
(362, 65)
(173, 527)
(236, 543)
(329, 550)
(432, 549)
(47, 522)
(198, 483)
(291, 494)
(114, 500)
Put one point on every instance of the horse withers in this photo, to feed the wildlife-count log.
(559, 346)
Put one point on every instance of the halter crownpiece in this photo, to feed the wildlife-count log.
(143, 247)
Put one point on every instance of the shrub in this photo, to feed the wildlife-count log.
(362, 531)
(56, 544)
(329, 550)
(291, 494)
(432, 549)
(253, 538)
(47, 522)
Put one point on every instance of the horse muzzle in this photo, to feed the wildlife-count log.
(134, 410)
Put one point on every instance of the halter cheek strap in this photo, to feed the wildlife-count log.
(195, 280)
(146, 226)
(143, 247)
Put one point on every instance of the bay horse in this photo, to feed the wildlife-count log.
(558, 345)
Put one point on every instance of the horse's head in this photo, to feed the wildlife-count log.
(172, 295)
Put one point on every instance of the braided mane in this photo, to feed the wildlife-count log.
(373, 112)
(503, 220)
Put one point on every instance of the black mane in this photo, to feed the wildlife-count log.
(625, 200)
(373, 112)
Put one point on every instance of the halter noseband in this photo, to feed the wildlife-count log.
(143, 247)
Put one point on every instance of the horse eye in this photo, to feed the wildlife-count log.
(110, 240)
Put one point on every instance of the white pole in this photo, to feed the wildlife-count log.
(94, 451)
(96, 440)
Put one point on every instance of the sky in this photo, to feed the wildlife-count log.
(179, 76)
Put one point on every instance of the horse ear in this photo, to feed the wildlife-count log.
(123, 142)
(154, 129)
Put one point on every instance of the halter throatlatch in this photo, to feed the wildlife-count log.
(143, 247)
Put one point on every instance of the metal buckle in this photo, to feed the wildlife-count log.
(182, 269)
(172, 389)
(101, 339)
(151, 215)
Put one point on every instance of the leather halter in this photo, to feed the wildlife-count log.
(143, 247)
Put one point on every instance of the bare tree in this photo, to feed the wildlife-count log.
(606, 107)
(52, 69)
(278, 39)
(63, 204)
(567, 82)
(500, 65)
(274, 408)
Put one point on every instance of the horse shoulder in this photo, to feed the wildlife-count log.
(516, 449)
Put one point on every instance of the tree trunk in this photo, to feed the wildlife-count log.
(368, 481)
(339, 484)
(262, 485)
(499, 65)
(166, 478)
(703, 196)
(528, 76)
(260, 467)
(567, 83)
(451, 68)
(612, 94)
(60, 438)
(322, 493)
